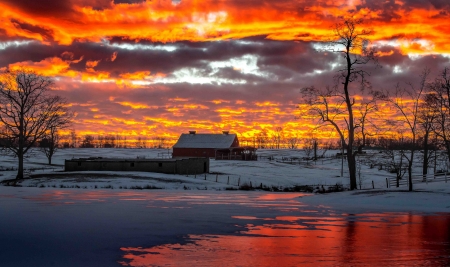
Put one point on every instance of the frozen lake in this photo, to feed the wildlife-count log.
(82, 227)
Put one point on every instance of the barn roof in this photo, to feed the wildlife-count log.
(205, 141)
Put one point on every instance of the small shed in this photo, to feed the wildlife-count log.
(170, 166)
(203, 145)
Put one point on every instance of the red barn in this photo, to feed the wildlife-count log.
(204, 145)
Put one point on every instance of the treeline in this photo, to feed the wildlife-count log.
(73, 140)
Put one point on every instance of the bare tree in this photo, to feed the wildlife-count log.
(110, 141)
(335, 106)
(393, 150)
(88, 142)
(310, 146)
(27, 110)
(293, 142)
(100, 141)
(50, 142)
(426, 118)
(73, 139)
(438, 99)
(160, 142)
(262, 139)
(138, 143)
(277, 136)
(407, 102)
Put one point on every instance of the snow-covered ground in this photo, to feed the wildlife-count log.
(276, 170)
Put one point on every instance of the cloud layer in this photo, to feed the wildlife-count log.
(159, 68)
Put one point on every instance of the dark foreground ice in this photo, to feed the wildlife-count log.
(77, 227)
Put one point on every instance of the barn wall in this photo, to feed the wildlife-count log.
(235, 142)
(193, 152)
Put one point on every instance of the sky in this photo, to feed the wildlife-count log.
(164, 67)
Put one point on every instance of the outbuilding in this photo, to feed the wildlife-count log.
(218, 146)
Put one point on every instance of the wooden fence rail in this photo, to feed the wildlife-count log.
(418, 179)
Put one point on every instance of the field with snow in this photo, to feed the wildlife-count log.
(276, 170)
(270, 173)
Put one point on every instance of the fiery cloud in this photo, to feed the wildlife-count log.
(163, 21)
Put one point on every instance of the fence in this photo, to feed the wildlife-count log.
(300, 161)
(28, 171)
(417, 179)
(249, 183)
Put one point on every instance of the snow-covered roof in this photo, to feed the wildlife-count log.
(205, 141)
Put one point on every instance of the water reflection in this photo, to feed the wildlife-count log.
(284, 202)
(386, 239)
(250, 229)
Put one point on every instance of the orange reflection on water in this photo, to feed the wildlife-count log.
(399, 240)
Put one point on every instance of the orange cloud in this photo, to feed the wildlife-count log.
(161, 21)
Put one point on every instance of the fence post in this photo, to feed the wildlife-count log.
(205, 176)
(239, 180)
(387, 183)
(446, 176)
(373, 185)
(216, 177)
(228, 181)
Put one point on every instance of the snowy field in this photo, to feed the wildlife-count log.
(276, 170)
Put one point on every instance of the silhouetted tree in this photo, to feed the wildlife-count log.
(27, 110)
(293, 142)
(438, 99)
(335, 105)
(88, 142)
(50, 142)
(407, 102)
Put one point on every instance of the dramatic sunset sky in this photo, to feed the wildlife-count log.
(163, 67)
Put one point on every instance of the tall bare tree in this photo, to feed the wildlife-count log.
(426, 118)
(335, 105)
(438, 98)
(407, 101)
(27, 110)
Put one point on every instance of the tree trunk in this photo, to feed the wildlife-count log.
(351, 168)
(425, 155)
(410, 188)
(447, 146)
(410, 164)
(20, 168)
(315, 149)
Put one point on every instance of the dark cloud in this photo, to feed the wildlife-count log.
(51, 8)
(46, 34)
(128, 1)
(42, 7)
